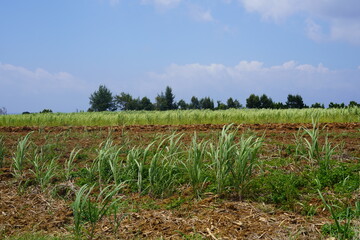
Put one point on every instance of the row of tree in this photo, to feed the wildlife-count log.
(103, 100)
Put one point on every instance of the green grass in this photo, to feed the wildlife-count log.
(177, 117)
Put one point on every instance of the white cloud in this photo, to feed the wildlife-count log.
(36, 80)
(39, 88)
(162, 4)
(342, 17)
(314, 31)
(315, 83)
(347, 30)
(199, 14)
(272, 9)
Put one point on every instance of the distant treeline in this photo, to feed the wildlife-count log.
(104, 100)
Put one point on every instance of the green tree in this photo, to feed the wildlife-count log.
(336, 105)
(279, 105)
(170, 99)
(295, 101)
(353, 104)
(221, 106)
(166, 101)
(253, 101)
(194, 103)
(146, 104)
(266, 102)
(233, 103)
(207, 103)
(317, 105)
(124, 101)
(102, 100)
(183, 105)
(46, 111)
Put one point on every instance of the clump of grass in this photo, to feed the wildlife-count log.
(136, 163)
(105, 153)
(162, 174)
(246, 157)
(312, 145)
(222, 154)
(69, 163)
(341, 230)
(92, 209)
(164, 166)
(309, 147)
(43, 170)
(233, 162)
(19, 157)
(195, 166)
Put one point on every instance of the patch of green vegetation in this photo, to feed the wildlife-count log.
(344, 178)
(278, 187)
(84, 176)
(147, 204)
(276, 162)
(38, 236)
(308, 209)
(175, 203)
(332, 230)
(191, 236)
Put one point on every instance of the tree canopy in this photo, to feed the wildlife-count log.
(253, 101)
(165, 101)
(295, 101)
(102, 100)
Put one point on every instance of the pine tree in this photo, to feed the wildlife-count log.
(102, 100)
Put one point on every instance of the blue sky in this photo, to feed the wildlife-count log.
(54, 54)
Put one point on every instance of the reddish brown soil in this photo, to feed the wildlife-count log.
(211, 218)
(203, 127)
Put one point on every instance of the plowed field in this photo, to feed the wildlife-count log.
(25, 208)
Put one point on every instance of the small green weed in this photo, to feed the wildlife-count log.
(38, 236)
(341, 230)
(175, 203)
(277, 187)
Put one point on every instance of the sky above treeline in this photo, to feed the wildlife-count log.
(54, 54)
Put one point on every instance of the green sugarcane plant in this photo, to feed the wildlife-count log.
(195, 166)
(69, 163)
(136, 160)
(222, 155)
(241, 168)
(19, 157)
(162, 174)
(92, 209)
(43, 169)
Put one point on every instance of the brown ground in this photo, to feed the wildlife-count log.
(31, 210)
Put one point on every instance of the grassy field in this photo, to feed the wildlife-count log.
(183, 117)
(240, 184)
